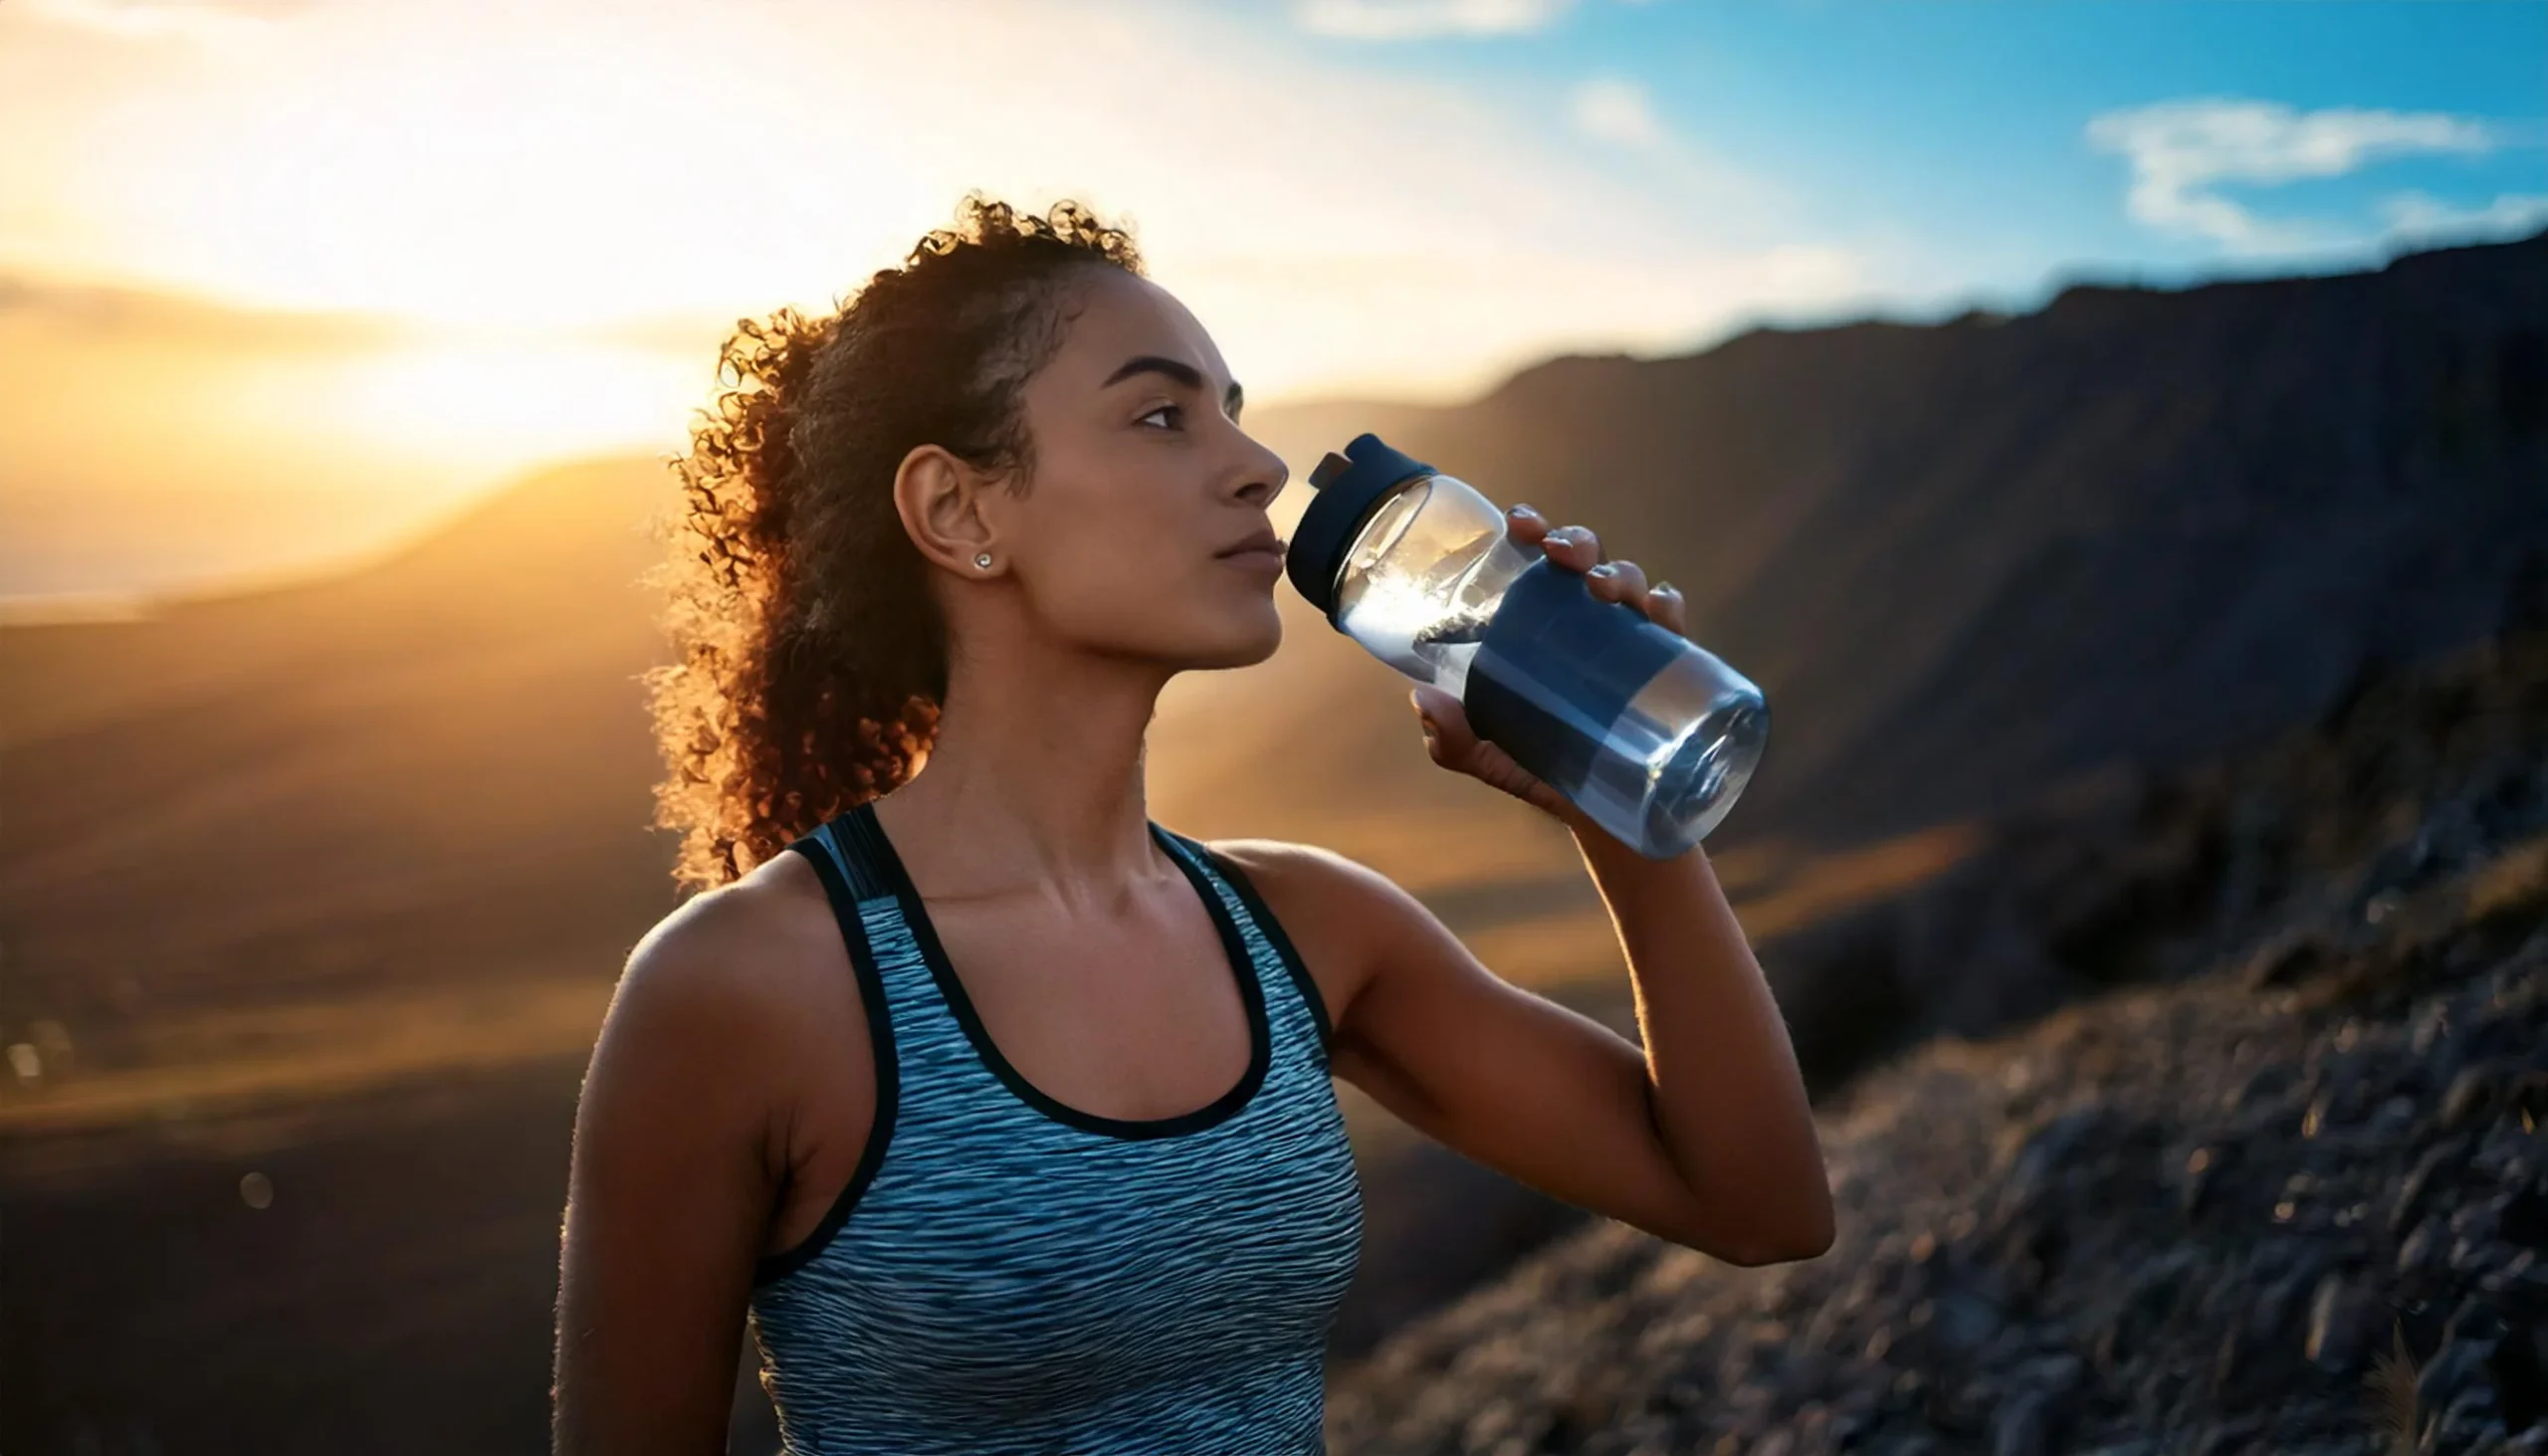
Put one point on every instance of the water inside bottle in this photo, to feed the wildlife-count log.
(1423, 613)
(1656, 756)
(1646, 731)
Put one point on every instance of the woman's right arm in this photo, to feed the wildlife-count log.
(680, 1154)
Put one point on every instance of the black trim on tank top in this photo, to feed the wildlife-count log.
(1259, 911)
(880, 1038)
(1260, 1037)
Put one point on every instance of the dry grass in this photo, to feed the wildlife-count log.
(2391, 1383)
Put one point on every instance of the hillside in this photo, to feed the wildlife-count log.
(367, 852)
(2186, 1217)
(429, 772)
(1967, 561)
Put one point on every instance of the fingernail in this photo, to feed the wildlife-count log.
(1521, 512)
(1605, 569)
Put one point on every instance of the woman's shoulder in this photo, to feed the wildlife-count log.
(1312, 877)
(751, 937)
(736, 975)
(1279, 866)
(1343, 916)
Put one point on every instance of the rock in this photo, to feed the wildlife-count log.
(2453, 1371)
(2517, 1372)
(2478, 1220)
(2195, 1191)
(1961, 1322)
(2476, 1321)
(2520, 1287)
(2412, 1190)
(1952, 1413)
(2421, 1250)
(2052, 1148)
(2229, 1437)
(2286, 958)
(2022, 1426)
(2471, 1097)
(2233, 1363)
(2524, 1219)
(2343, 1320)
(2396, 1119)
(2466, 1417)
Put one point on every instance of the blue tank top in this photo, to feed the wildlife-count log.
(1007, 1274)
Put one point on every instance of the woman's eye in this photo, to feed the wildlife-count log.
(1166, 415)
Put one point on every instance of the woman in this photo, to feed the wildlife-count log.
(1004, 1114)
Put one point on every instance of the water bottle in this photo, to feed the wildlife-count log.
(1650, 736)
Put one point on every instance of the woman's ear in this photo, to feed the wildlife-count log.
(940, 499)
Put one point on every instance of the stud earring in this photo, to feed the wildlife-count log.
(982, 559)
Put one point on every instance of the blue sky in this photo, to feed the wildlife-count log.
(1967, 132)
(1338, 183)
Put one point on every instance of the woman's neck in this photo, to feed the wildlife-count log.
(1035, 777)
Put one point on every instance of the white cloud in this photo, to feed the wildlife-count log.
(1408, 19)
(1619, 112)
(1619, 115)
(2423, 218)
(2182, 152)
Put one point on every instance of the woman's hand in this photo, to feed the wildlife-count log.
(1447, 734)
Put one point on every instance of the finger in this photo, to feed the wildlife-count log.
(1526, 525)
(1666, 609)
(1574, 547)
(1447, 734)
(1619, 582)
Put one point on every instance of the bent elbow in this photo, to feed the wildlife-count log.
(1791, 1245)
(1813, 1246)
(1761, 1256)
(1817, 1237)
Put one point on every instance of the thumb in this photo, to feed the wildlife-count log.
(1443, 708)
(1446, 722)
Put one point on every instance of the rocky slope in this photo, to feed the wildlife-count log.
(2296, 1201)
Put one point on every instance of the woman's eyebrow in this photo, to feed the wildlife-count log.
(1179, 371)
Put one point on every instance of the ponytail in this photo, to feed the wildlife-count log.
(809, 655)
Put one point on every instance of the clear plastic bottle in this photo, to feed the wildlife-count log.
(1648, 733)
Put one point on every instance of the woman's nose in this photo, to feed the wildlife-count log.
(1263, 475)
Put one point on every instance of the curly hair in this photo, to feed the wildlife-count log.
(810, 657)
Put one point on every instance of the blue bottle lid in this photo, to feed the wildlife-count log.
(1349, 486)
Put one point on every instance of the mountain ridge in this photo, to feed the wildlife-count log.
(2318, 470)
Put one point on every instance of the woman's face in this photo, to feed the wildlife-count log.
(1142, 534)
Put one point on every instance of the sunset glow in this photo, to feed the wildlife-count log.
(432, 245)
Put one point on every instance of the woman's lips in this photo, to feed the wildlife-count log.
(1257, 559)
(1263, 554)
